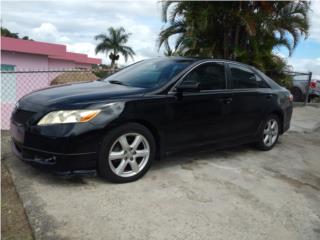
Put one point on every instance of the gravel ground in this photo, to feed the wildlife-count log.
(238, 193)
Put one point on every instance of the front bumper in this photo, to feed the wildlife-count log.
(57, 148)
(54, 161)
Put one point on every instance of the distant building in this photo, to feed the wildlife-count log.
(18, 54)
(32, 65)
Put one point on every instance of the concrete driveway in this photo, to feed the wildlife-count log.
(239, 193)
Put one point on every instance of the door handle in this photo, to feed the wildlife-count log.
(226, 100)
(269, 96)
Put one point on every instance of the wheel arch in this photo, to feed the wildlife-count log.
(279, 114)
(155, 132)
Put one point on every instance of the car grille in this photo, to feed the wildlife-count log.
(22, 116)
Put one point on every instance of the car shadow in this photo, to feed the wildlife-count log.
(179, 158)
(206, 154)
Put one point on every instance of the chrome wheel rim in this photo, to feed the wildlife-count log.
(129, 155)
(270, 132)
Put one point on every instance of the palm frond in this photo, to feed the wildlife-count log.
(114, 42)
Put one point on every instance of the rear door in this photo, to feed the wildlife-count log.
(251, 96)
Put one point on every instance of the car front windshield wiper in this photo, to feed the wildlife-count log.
(117, 82)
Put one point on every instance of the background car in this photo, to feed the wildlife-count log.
(299, 89)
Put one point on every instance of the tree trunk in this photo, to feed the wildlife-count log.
(236, 41)
(113, 58)
(113, 63)
(225, 43)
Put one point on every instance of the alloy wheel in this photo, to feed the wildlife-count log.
(129, 154)
(270, 132)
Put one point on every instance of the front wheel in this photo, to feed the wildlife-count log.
(269, 133)
(126, 153)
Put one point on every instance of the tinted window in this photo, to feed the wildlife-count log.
(261, 83)
(150, 73)
(268, 80)
(211, 76)
(242, 77)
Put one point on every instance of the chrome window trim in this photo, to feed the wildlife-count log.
(172, 90)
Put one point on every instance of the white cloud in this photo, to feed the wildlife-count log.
(305, 65)
(75, 23)
(82, 47)
(315, 21)
(47, 32)
(142, 40)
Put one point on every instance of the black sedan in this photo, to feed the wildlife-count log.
(120, 124)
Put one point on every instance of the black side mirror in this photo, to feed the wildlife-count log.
(253, 78)
(189, 86)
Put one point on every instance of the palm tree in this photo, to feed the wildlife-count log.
(114, 43)
(246, 31)
(221, 27)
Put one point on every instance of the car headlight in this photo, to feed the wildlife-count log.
(69, 116)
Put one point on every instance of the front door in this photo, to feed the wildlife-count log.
(202, 116)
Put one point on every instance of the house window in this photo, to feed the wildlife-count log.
(8, 84)
(6, 67)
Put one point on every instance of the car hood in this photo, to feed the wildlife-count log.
(77, 95)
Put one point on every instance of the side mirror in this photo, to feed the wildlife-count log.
(189, 86)
(253, 78)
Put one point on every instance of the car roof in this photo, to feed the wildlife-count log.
(199, 59)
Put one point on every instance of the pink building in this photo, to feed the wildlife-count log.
(32, 55)
(25, 56)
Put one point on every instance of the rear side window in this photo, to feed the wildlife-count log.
(261, 82)
(211, 76)
(242, 77)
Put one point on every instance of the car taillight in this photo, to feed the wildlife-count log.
(313, 84)
(290, 97)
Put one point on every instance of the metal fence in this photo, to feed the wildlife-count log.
(16, 84)
(301, 86)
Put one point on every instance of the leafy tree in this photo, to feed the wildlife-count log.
(26, 38)
(6, 33)
(114, 43)
(247, 31)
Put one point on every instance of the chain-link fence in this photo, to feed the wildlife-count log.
(16, 84)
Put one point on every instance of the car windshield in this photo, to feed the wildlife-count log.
(150, 73)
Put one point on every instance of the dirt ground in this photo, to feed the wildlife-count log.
(238, 193)
(14, 222)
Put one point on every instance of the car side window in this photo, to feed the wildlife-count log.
(210, 76)
(242, 77)
(261, 82)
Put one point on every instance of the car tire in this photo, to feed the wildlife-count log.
(122, 159)
(297, 94)
(269, 133)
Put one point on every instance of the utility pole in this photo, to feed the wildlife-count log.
(308, 88)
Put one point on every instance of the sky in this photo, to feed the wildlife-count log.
(75, 23)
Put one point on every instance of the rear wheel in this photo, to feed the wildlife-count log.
(269, 133)
(297, 94)
(126, 153)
